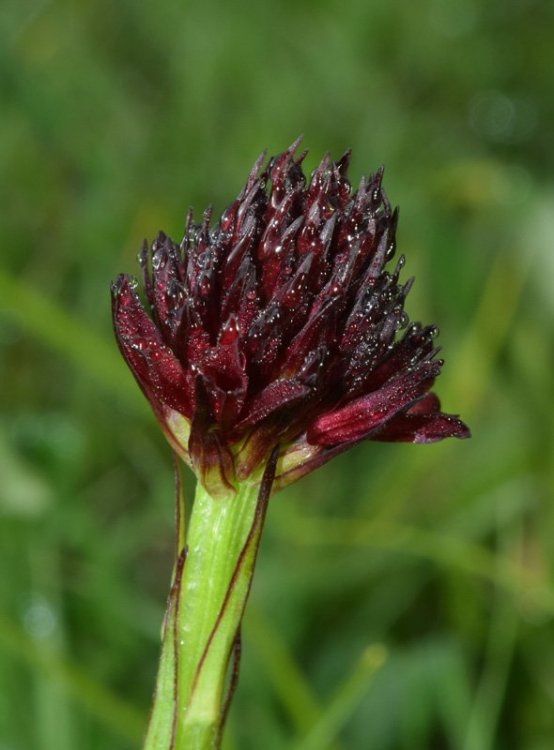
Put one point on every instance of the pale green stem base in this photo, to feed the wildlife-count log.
(203, 619)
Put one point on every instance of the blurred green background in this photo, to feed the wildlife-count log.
(115, 117)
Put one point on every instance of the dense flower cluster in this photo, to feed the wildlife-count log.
(280, 326)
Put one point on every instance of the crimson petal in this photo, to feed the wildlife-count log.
(277, 395)
(422, 428)
(155, 367)
(423, 422)
(360, 417)
(211, 458)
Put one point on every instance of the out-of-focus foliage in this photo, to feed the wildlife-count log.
(404, 598)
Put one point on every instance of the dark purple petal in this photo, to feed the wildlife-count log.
(223, 368)
(360, 417)
(277, 395)
(155, 367)
(423, 429)
(210, 456)
(166, 291)
(423, 422)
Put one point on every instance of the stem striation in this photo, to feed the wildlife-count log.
(201, 631)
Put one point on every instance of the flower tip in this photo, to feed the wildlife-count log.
(439, 427)
(377, 179)
(121, 284)
(464, 432)
(301, 156)
(343, 162)
(294, 145)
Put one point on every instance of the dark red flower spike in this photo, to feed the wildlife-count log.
(281, 325)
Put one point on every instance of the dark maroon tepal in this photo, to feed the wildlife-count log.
(279, 325)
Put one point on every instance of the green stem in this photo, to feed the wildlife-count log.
(202, 627)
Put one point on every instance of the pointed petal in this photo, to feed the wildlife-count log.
(357, 419)
(211, 459)
(422, 428)
(155, 367)
(166, 294)
(277, 395)
(423, 422)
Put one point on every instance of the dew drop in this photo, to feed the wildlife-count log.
(157, 260)
(402, 320)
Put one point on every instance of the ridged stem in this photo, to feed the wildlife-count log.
(202, 627)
